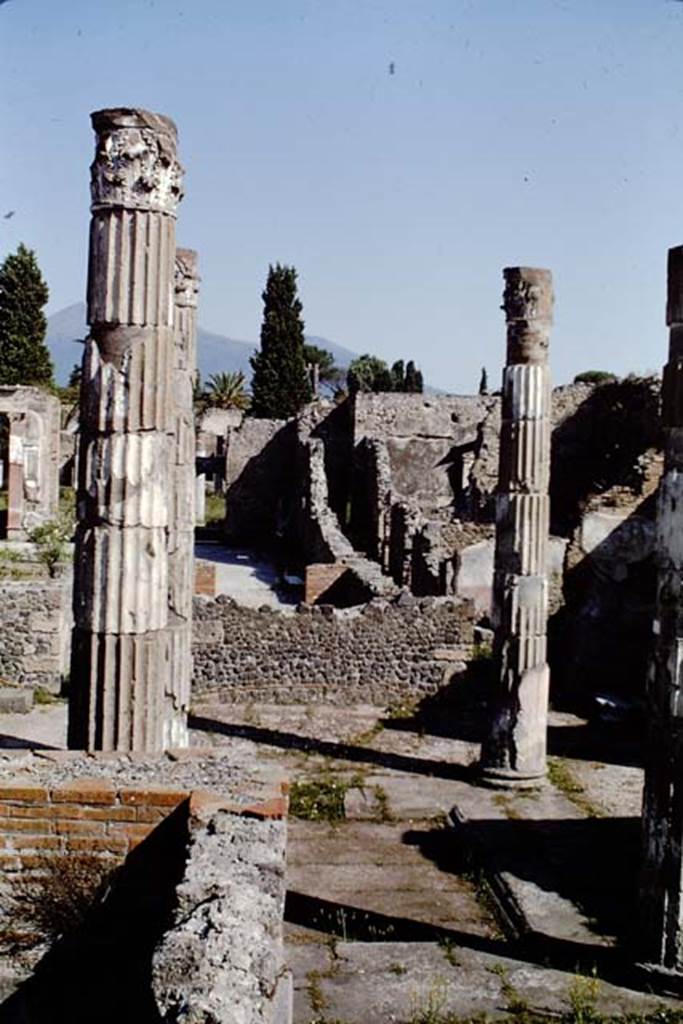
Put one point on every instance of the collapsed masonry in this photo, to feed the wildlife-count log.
(130, 660)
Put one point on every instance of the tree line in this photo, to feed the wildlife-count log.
(287, 370)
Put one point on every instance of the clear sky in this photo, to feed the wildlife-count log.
(398, 153)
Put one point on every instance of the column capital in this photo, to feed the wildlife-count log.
(136, 164)
(187, 277)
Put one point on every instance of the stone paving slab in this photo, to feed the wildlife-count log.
(394, 982)
(381, 868)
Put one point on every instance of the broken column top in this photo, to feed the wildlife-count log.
(674, 294)
(528, 305)
(136, 164)
(186, 277)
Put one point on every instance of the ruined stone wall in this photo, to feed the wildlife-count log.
(380, 653)
(190, 926)
(427, 438)
(259, 479)
(35, 632)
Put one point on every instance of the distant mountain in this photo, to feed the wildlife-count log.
(216, 353)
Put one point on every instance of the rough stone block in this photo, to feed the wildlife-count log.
(15, 700)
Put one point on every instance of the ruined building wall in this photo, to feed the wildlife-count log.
(35, 630)
(33, 458)
(379, 653)
(259, 480)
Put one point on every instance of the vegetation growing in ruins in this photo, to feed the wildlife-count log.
(51, 540)
(280, 384)
(45, 905)
(24, 357)
(560, 775)
(11, 567)
(225, 391)
(369, 373)
(322, 799)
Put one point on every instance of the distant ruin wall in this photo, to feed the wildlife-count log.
(427, 439)
(381, 653)
(35, 632)
(259, 479)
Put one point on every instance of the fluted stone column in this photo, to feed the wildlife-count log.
(181, 511)
(661, 905)
(120, 654)
(514, 751)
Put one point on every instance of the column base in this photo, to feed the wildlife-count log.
(507, 778)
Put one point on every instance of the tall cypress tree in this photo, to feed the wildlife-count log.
(280, 384)
(24, 358)
(414, 381)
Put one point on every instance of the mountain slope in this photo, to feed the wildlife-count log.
(216, 352)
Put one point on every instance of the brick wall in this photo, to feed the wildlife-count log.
(205, 578)
(86, 816)
(194, 915)
(320, 577)
(95, 817)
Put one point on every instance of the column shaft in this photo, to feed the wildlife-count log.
(514, 750)
(121, 651)
(661, 904)
(181, 510)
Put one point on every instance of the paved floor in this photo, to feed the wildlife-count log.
(251, 580)
(387, 917)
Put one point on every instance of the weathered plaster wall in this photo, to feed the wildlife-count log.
(427, 439)
(380, 653)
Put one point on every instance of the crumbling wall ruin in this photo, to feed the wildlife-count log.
(189, 926)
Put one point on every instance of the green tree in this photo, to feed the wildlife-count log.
(24, 358)
(226, 391)
(595, 377)
(413, 381)
(328, 372)
(398, 376)
(366, 373)
(280, 384)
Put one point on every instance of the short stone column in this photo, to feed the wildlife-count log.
(120, 653)
(514, 751)
(181, 509)
(660, 932)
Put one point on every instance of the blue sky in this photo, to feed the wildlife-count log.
(510, 132)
